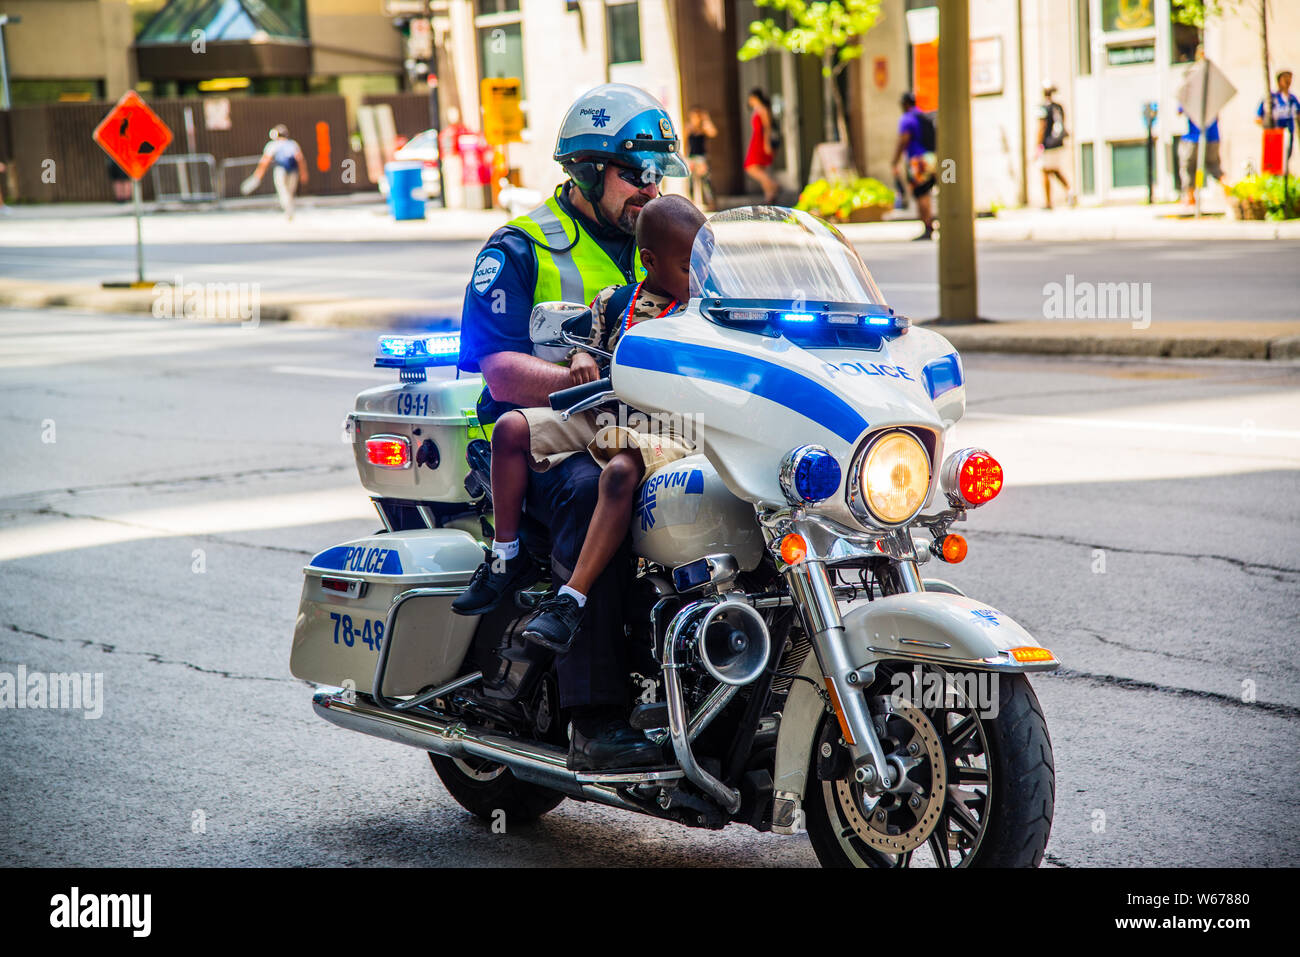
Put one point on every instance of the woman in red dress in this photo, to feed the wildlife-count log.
(758, 160)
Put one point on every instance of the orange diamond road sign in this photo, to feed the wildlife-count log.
(133, 135)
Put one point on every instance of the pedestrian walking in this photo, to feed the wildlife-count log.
(762, 151)
(1285, 110)
(916, 142)
(1051, 144)
(699, 130)
(1187, 147)
(289, 171)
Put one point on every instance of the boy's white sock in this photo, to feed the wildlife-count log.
(506, 550)
(577, 596)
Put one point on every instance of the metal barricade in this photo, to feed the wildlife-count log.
(232, 173)
(186, 178)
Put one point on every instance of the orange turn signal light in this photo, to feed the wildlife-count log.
(1028, 653)
(793, 549)
(953, 548)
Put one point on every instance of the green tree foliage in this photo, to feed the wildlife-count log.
(829, 31)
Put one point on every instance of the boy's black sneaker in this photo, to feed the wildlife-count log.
(556, 622)
(495, 580)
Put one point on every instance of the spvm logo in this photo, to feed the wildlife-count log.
(681, 482)
(599, 118)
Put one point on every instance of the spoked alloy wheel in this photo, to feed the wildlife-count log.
(969, 790)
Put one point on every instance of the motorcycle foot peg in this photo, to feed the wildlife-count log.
(649, 716)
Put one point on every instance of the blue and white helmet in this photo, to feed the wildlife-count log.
(616, 123)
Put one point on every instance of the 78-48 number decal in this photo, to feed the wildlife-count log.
(369, 633)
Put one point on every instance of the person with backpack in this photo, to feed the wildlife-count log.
(916, 141)
(1051, 144)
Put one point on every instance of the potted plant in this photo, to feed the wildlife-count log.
(1265, 197)
(861, 200)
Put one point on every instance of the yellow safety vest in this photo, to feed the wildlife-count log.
(582, 270)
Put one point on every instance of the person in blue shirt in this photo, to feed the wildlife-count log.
(1285, 105)
(1285, 110)
(1187, 148)
(916, 141)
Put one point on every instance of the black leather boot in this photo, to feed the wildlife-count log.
(609, 743)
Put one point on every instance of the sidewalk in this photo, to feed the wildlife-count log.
(365, 218)
(1165, 222)
(317, 219)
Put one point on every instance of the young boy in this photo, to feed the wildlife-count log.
(540, 439)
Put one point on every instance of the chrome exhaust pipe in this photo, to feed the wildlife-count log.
(535, 763)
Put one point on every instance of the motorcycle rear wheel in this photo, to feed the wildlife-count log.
(1006, 824)
(486, 789)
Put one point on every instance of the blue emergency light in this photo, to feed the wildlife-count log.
(417, 352)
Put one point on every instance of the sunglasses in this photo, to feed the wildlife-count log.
(639, 178)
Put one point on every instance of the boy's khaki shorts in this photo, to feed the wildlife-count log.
(551, 439)
(657, 449)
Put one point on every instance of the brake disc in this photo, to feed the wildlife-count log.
(890, 823)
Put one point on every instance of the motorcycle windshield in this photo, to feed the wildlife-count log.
(785, 258)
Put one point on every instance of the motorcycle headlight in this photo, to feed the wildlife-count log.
(892, 479)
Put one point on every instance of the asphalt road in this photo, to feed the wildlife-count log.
(164, 482)
(1188, 280)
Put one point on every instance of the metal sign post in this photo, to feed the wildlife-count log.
(134, 136)
(139, 234)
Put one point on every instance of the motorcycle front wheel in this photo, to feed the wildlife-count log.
(978, 791)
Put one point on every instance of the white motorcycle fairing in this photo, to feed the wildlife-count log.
(756, 397)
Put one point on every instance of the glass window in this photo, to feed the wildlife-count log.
(501, 52)
(623, 23)
(1083, 31)
(1087, 174)
(1120, 15)
(1128, 164)
(496, 6)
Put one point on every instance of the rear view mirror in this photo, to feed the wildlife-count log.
(551, 320)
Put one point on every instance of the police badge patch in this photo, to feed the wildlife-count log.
(486, 270)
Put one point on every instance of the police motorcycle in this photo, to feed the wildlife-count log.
(788, 655)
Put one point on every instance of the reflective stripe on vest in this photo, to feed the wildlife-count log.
(578, 274)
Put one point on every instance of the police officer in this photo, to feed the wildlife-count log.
(615, 145)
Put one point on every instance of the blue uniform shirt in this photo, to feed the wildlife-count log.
(499, 296)
(1285, 109)
(1193, 134)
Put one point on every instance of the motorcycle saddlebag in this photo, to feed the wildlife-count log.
(435, 421)
(347, 591)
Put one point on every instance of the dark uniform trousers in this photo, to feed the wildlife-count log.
(594, 671)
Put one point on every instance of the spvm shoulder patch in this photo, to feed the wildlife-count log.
(487, 269)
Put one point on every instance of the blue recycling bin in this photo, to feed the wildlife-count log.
(403, 180)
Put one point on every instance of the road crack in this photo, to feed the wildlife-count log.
(1274, 572)
(1146, 651)
(152, 656)
(1135, 684)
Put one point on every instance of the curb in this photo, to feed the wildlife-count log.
(1190, 341)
